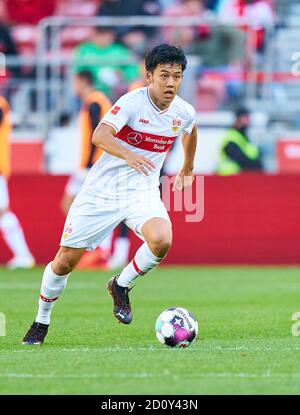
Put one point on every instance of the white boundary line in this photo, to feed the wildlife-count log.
(202, 349)
(143, 375)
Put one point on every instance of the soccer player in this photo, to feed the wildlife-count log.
(124, 185)
(9, 224)
(122, 242)
(94, 105)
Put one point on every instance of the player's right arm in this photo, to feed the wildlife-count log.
(112, 122)
(103, 137)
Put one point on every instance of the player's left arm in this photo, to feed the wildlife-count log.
(185, 177)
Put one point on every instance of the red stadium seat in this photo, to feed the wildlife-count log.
(72, 36)
(77, 8)
(26, 38)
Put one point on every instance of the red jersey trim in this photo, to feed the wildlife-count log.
(145, 141)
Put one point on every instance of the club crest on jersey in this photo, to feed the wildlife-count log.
(176, 124)
(67, 232)
(134, 138)
(115, 110)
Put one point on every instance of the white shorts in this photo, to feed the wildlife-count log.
(75, 182)
(92, 218)
(4, 197)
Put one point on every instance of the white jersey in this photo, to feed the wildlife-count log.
(144, 129)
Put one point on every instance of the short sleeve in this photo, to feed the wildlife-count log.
(118, 116)
(189, 125)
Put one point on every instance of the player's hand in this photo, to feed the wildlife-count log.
(183, 180)
(141, 164)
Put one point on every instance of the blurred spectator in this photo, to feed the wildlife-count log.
(29, 11)
(8, 47)
(221, 49)
(141, 80)
(183, 8)
(260, 13)
(256, 14)
(219, 45)
(10, 226)
(165, 4)
(136, 40)
(130, 8)
(211, 4)
(3, 11)
(237, 152)
(103, 57)
(76, 7)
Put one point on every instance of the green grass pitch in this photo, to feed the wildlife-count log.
(245, 343)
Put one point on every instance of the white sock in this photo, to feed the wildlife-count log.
(52, 286)
(13, 235)
(121, 252)
(143, 261)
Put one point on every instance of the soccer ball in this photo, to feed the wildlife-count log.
(176, 327)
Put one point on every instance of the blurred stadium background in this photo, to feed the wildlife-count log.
(240, 52)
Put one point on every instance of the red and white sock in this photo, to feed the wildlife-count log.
(143, 261)
(52, 287)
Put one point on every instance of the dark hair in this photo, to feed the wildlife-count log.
(64, 119)
(86, 75)
(241, 111)
(165, 54)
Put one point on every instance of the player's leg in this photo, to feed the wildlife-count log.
(149, 219)
(98, 258)
(157, 233)
(54, 282)
(87, 224)
(12, 232)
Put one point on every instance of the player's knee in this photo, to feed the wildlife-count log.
(63, 264)
(161, 242)
(66, 259)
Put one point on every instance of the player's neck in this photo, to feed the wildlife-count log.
(157, 102)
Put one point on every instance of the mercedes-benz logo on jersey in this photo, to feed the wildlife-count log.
(134, 138)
